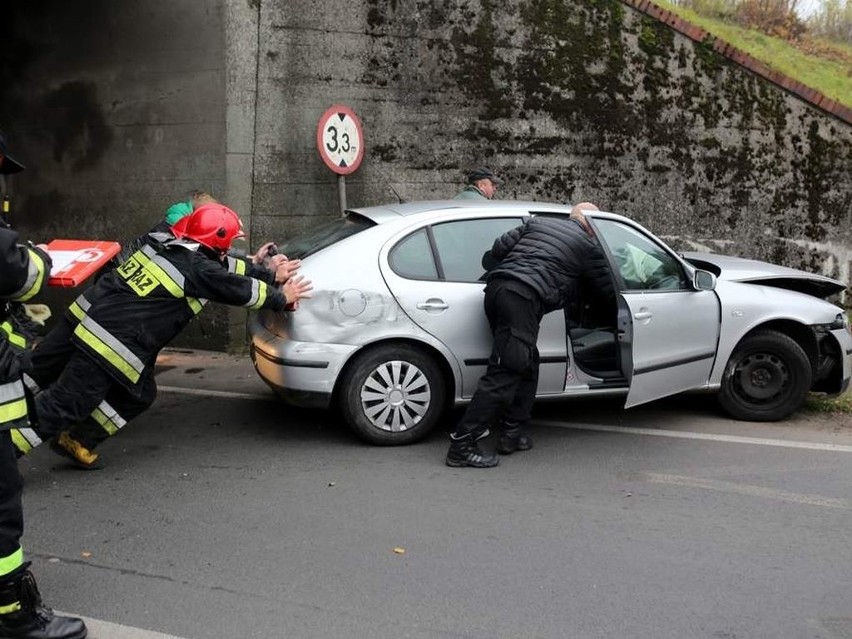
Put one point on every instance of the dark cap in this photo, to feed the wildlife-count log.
(8, 164)
(482, 173)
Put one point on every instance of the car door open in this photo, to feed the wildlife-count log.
(667, 328)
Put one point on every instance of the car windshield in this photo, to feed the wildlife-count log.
(324, 235)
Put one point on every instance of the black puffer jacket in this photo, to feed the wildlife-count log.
(552, 255)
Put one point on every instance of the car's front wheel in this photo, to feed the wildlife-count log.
(392, 394)
(766, 378)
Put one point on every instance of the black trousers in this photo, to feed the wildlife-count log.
(506, 391)
(11, 509)
(78, 395)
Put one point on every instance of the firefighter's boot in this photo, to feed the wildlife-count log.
(513, 438)
(24, 616)
(66, 446)
(464, 451)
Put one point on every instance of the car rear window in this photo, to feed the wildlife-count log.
(324, 235)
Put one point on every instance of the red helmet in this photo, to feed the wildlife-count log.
(213, 225)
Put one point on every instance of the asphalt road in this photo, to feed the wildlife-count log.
(224, 514)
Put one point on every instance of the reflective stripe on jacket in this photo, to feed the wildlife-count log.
(36, 271)
(23, 273)
(135, 310)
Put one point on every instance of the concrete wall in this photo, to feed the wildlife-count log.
(120, 108)
(569, 101)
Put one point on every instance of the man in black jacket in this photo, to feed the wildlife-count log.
(540, 266)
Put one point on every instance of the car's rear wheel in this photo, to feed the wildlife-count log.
(766, 378)
(392, 394)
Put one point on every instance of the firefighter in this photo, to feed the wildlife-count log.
(23, 272)
(94, 372)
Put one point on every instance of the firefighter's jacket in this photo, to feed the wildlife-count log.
(132, 312)
(23, 272)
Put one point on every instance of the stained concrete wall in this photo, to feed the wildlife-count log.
(569, 101)
(118, 109)
(122, 107)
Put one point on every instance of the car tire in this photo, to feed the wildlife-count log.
(766, 378)
(392, 395)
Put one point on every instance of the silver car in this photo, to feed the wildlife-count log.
(395, 332)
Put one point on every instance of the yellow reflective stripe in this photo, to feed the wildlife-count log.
(13, 411)
(108, 418)
(35, 277)
(18, 340)
(259, 292)
(20, 441)
(145, 268)
(13, 405)
(109, 348)
(76, 311)
(80, 307)
(158, 268)
(195, 304)
(12, 607)
(25, 439)
(169, 275)
(236, 265)
(11, 562)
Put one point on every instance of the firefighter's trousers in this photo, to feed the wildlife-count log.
(11, 510)
(73, 392)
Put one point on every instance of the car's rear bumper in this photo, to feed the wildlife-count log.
(302, 373)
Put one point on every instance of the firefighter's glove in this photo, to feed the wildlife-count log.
(38, 313)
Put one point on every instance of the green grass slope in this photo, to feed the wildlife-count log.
(824, 66)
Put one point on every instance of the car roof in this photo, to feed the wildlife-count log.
(387, 212)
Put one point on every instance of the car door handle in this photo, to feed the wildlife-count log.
(433, 305)
(643, 315)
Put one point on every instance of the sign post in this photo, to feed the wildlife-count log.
(340, 141)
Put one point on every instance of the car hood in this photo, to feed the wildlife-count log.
(738, 269)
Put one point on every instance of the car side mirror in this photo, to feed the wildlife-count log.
(704, 280)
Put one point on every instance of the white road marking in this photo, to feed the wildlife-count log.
(99, 629)
(215, 393)
(733, 439)
(748, 490)
(654, 432)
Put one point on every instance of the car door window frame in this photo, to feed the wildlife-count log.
(435, 252)
(683, 271)
(430, 243)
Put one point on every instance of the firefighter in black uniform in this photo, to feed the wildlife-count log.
(94, 372)
(540, 266)
(24, 271)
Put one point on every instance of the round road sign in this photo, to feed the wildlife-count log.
(340, 139)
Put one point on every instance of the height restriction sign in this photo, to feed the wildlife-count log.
(340, 139)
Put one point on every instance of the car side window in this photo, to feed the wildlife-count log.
(460, 245)
(412, 257)
(642, 263)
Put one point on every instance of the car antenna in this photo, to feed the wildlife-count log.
(398, 196)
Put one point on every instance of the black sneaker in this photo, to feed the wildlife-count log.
(508, 445)
(466, 453)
